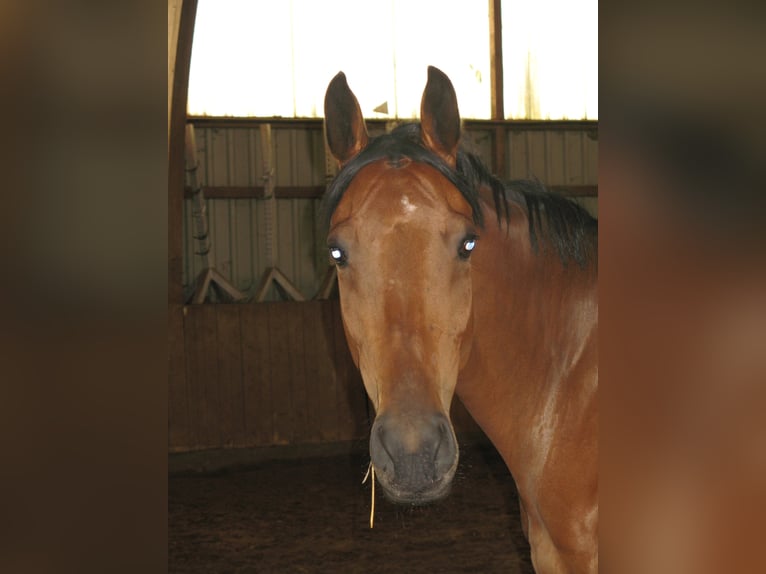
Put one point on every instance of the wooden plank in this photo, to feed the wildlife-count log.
(202, 376)
(178, 408)
(229, 343)
(256, 375)
(315, 368)
(343, 388)
(328, 392)
(280, 373)
(297, 383)
(351, 396)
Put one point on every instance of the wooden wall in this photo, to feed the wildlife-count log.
(263, 374)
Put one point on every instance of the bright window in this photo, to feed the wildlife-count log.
(550, 59)
(275, 58)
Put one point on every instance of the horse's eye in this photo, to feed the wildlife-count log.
(338, 256)
(466, 247)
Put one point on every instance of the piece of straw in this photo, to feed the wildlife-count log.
(371, 471)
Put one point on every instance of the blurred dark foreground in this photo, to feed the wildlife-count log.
(683, 288)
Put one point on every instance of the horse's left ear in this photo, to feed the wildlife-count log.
(439, 116)
(344, 124)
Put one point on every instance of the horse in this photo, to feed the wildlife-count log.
(451, 282)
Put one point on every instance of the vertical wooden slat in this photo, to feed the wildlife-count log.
(256, 374)
(178, 408)
(229, 348)
(202, 376)
(328, 392)
(296, 381)
(351, 396)
(315, 367)
(279, 335)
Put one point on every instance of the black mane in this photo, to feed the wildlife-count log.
(559, 222)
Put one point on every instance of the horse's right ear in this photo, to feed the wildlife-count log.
(344, 124)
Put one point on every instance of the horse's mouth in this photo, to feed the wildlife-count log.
(418, 493)
(418, 497)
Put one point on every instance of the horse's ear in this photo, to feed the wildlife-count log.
(439, 116)
(344, 124)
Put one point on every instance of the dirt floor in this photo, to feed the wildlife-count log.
(312, 515)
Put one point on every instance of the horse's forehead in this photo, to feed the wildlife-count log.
(400, 191)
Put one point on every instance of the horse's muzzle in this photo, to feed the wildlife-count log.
(415, 457)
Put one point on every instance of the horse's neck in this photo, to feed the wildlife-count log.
(535, 322)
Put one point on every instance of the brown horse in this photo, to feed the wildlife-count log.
(451, 282)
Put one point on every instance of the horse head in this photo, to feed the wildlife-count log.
(401, 235)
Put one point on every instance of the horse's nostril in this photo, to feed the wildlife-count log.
(413, 453)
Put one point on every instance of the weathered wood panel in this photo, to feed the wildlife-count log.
(309, 325)
(202, 391)
(328, 392)
(280, 358)
(299, 430)
(352, 404)
(229, 350)
(256, 374)
(262, 374)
